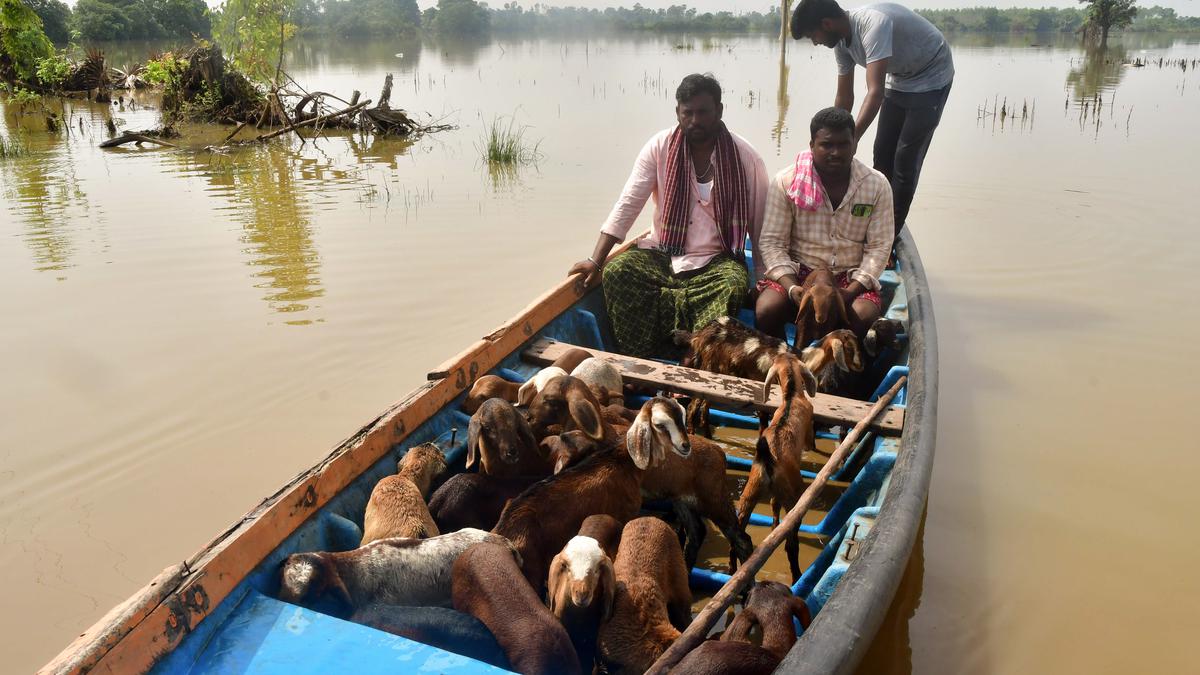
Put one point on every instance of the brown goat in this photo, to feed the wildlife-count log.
(571, 358)
(728, 347)
(397, 504)
(567, 402)
(500, 439)
(781, 446)
(606, 530)
(771, 606)
(834, 360)
(697, 484)
(543, 518)
(487, 584)
(489, 386)
(822, 307)
(475, 500)
(653, 602)
(581, 587)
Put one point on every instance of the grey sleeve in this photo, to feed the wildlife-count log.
(877, 36)
(845, 62)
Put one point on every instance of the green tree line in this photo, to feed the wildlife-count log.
(1049, 20)
(97, 20)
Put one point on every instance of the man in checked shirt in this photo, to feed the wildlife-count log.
(828, 209)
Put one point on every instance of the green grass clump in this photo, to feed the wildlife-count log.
(505, 144)
(12, 147)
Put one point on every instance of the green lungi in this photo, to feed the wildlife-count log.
(646, 301)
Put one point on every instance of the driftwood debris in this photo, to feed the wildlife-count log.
(313, 120)
(383, 119)
(137, 137)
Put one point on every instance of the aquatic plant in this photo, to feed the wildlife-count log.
(19, 96)
(505, 143)
(12, 147)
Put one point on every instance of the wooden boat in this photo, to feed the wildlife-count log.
(216, 611)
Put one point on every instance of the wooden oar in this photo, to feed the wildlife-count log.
(698, 629)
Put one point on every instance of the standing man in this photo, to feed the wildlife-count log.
(709, 188)
(892, 40)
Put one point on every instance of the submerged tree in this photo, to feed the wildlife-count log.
(1103, 15)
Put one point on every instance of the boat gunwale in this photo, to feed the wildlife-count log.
(843, 630)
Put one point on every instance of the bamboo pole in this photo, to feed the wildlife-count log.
(313, 120)
(698, 629)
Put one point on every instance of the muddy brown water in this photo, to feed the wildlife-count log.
(183, 331)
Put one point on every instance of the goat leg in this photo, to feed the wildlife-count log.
(718, 509)
(792, 546)
(693, 532)
(750, 494)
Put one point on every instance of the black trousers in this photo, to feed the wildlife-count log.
(906, 125)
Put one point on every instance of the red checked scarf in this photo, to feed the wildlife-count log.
(730, 195)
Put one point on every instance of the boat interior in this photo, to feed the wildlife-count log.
(252, 631)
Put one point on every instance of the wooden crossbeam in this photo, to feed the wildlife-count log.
(725, 391)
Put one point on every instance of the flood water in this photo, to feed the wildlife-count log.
(184, 331)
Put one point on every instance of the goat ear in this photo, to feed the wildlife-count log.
(585, 413)
(739, 629)
(840, 303)
(561, 462)
(801, 612)
(554, 582)
(639, 440)
(334, 583)
(772, 377)
(810, 380)
(473, 432)
(839, 353)
(608, 582)
(527, 392)
(525, 434)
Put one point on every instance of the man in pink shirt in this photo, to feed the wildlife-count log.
(709, 188)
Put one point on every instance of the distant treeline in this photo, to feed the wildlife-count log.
(1049, 20)
(95, 20)
(98, 20)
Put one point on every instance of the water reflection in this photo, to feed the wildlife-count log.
(316, 53)
(782, 101)
(43, 190)
(1098, 72)
(265, 185)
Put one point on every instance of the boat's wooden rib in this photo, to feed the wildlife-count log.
(154, 623)
(726, 391)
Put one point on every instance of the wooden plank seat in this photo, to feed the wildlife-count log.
(726, 391)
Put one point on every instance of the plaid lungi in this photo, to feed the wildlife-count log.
(646, 301)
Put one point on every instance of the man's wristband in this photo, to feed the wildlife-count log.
(591, 260)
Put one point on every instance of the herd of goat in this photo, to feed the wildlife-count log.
(536, 560)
